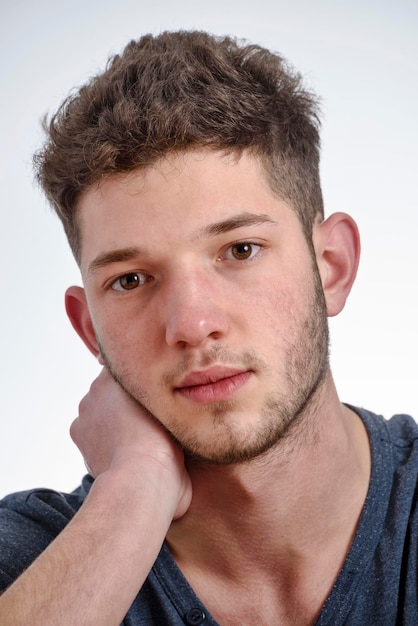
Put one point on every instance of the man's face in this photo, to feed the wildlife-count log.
(205, 300)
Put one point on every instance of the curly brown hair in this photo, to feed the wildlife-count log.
(179, 91)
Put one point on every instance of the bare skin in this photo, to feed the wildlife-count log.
(275, 534)
(256, 535)
(92, 572)
(271, 533)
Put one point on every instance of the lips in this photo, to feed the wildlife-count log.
(215, 384)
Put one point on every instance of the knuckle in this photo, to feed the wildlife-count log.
(74, 429)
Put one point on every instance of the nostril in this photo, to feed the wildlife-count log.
(195, 327)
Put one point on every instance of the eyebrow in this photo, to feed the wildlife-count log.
(217, 228)
(114, 256)
(237, 221)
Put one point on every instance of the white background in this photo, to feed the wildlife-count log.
(362, 58)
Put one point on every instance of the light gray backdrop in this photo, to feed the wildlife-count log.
(360, 55)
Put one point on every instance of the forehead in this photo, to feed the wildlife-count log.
(192, 170)
(177, 197)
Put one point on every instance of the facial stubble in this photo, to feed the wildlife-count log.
(282, 414)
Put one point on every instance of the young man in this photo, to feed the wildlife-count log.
(227, 483)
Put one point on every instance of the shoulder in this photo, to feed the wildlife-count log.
(29, 521)
(394, 450)
(393, 490)
(378, 583)
(403, 429)
(397, 436)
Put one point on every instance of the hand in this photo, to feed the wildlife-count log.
(93, 570)
(115, 435)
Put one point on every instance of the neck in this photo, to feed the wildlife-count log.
(300, 497)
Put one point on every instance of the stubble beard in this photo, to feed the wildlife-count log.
(282, 413)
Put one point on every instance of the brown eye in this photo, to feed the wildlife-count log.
(242, 251)
(127, 282)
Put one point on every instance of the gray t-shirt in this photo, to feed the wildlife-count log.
(377, 585)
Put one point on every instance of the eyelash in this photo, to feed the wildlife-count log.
(243, 244)
(142, 279)
(138, 279)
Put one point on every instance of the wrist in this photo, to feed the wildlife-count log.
(144, 486)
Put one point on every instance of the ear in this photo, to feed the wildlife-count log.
(79, 315)
(337, 248)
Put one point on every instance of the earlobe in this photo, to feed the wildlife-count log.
(337, 248)
(79, 316)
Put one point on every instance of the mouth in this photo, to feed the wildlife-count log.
(216, 384)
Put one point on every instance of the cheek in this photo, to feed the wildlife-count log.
(274, 303)
(125, 337)
(282, 311)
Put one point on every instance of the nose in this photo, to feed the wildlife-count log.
(194, 311)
